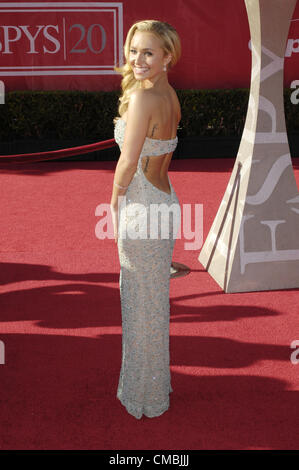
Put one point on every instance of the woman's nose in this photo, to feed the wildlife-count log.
(138, 59)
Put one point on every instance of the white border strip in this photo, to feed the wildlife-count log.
(62, 72)
(58, 4)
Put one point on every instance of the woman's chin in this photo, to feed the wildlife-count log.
(138, 76)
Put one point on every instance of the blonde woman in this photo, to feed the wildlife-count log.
(146, 134)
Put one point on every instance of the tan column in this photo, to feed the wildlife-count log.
(253, 243)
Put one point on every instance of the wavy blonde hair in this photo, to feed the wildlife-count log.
(170, 44)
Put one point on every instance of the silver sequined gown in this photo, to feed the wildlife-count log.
(145, 381)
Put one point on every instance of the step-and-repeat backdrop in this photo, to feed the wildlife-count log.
(75, 45)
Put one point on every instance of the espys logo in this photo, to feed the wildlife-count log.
(73, 38)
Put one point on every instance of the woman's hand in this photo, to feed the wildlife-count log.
(114, 213)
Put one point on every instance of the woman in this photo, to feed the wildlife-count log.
(146, 133)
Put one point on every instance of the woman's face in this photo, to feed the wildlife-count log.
(146, 56)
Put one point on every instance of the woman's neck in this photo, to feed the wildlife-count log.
(158, 82)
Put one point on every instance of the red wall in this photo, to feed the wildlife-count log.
(214, 35)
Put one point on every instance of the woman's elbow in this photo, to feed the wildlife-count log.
(127, 164)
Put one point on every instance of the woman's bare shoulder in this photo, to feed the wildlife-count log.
(149, 100)
(141, 95)
(142, 98)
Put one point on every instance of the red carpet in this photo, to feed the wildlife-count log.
(234, 384)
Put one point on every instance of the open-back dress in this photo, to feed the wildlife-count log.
(145, 255)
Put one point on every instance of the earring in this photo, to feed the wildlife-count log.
(164, 68)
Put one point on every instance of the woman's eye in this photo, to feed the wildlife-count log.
(132, 51)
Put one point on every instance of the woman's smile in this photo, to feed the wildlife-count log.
(140, 70)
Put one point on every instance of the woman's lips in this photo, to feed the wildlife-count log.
(140, 69)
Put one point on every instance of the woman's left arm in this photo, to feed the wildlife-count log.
(138, 116)
(139, 113)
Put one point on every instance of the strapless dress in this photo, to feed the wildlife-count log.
(145, 246)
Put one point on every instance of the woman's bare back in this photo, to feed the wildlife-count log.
(163, 126)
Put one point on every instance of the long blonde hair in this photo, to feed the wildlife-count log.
(170, 43)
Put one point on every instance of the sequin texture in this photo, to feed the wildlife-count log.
(145, 379)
